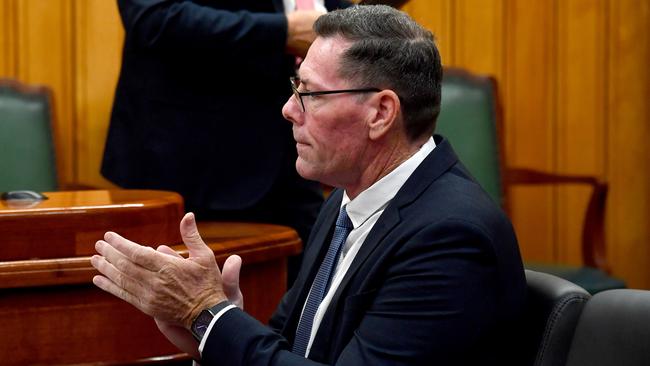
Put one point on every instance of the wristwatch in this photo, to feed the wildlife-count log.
(202, 322)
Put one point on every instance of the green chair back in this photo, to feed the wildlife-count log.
(467, 120)
(27, 154)
(470, 119)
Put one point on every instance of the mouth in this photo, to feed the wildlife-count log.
(301, 146)
(299, 141)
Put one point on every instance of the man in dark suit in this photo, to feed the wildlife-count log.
(409, 263)
(197, 107)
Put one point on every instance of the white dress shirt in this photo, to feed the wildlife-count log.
(364, 211)
(290, 6)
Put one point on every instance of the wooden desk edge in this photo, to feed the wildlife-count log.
(175, 359)
(77, 270)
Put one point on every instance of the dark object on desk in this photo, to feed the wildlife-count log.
(470, 118)
(23, 195)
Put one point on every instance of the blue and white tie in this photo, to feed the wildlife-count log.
(321, 282)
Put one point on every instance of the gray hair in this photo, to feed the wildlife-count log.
(391, 51)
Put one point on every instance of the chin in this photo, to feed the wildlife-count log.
(304, 170)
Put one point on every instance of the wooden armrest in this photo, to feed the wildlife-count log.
(531, 176)
(593, 228)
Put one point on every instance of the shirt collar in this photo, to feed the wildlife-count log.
(378, 195)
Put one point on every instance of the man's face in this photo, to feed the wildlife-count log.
(331, 134)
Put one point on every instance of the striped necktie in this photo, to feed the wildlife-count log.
(321, 282)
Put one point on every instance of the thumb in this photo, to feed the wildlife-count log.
(230, 278)
(192, 238)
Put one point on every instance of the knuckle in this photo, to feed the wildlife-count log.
(120, 263)
(100, 264)
(137, 254)
(145, 256)
(144, 306)
(120, 280)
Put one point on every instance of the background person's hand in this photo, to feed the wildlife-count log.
(300, 33)
(173, 290)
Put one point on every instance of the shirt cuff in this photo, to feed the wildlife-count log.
(214, 320)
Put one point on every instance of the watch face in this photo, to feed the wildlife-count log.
(200, 325)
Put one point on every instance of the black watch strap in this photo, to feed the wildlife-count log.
(202, 322)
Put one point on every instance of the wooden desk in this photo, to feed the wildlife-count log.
(50, 313)
(68, 224)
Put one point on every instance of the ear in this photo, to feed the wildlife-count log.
(385, 118)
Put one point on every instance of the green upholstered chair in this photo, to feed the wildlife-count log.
(27, 146)
(470, 119)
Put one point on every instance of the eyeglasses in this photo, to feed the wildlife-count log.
(295, 84)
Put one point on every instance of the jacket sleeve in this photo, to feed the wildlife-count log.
(337, 4)
(184, 25)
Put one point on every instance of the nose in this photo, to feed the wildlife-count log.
(291, 111)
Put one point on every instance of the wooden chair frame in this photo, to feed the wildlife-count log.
(593, 228)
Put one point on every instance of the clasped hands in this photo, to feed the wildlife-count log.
(163, 284)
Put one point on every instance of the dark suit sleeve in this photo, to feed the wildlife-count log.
(436, 296)
(337, 4)
(184, 25)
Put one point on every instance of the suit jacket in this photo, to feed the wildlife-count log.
(439, 280)
(198, 103)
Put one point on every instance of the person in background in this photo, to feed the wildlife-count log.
(197, 107)
(410, 262)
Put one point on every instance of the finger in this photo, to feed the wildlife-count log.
(230, 272)
(118, 278)
(230, 278)
(192, 238)
(169, 251)
(109, 286)
(120, 261)
(144, 256)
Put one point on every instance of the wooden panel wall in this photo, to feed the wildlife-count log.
(74, 47)
(575, 86)
(573, 77)
(37, 34)
(628, 131)
(99, 38)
